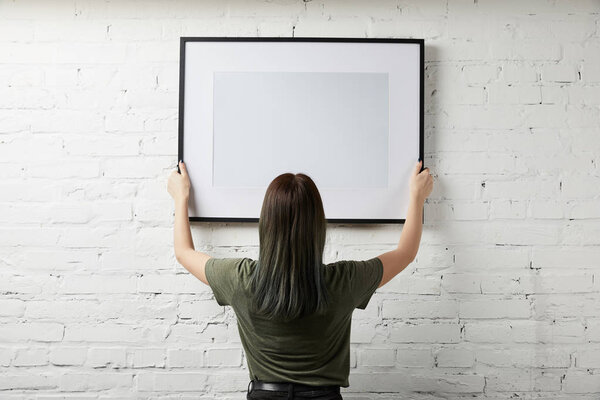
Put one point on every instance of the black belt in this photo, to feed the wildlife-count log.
(288, 387)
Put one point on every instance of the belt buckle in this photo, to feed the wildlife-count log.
(251, 386)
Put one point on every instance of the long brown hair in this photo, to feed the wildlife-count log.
(288, 280)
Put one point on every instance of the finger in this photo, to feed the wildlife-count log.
(183, 168)
(425, 170)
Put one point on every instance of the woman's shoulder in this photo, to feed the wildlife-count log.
(336, 273)
(231, 266)
(245, 266)
(350, 268)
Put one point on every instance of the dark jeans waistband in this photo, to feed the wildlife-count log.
(286, 386)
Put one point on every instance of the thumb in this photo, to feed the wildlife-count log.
(182, 167)
(417, 167)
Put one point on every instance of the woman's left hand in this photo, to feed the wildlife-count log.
(179, 184)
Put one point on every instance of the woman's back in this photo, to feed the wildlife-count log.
(312, 350)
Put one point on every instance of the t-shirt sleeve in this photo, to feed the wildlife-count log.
(365, 277)
(222, 275)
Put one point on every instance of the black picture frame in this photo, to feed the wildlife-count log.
(420, 42)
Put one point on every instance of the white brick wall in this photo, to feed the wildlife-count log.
(501, 303)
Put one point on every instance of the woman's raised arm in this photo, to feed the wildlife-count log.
(395, 261)
(192, 260)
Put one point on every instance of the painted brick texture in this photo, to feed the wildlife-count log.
(502, 301)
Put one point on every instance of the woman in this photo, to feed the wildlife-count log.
(293, 312)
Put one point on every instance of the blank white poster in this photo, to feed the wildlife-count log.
(332, 126)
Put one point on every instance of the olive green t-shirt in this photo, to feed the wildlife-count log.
(312, 350)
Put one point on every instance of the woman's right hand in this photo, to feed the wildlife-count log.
(421, 183)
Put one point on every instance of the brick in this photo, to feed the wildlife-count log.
(153, 211)
(577, 256)
(64, 356)
(478, 74)
(27, 381)
(148, 358)
(593, 330)
(172, 381)
(81, 284)
(496, 257)
(101, 357)
(107, 145)
(547, 332)
(579, 187)
(508, 209)
(518, 73)
(200, 310)
(133, 167)
(511, 380)
(377, 357)
(28, 285)
(559, 73)
(66, 121)
(6, 355)
(488, 331)
(425, 333)
(526, 233)
(380, 382)
(544, 356)
(61, 310)
(107, 236)
(522, 188)
(411, 357)
(181, 283)
(546, 209)
(56, 213)
(213, 333)
(454, 357)
(588, 358)
(362, 332)
(49, 148)
(559, 306)
(65, 169)
(581, 382)
(420, 309)
(514, 94)
(183, 358)
(35, 331)
(216, 357)
(78, 382)
(30, 357)
(12, 308)
(111, 332)
(495, 309)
